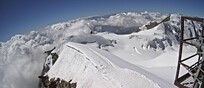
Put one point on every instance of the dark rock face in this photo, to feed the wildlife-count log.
(49, 51)
(54, 58)
(47, 82)
(151, 25)
(166, 19)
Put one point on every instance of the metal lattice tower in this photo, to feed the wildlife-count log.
(194, 73)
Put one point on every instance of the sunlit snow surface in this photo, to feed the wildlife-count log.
(108, 52)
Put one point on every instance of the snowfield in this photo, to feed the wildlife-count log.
(112, 51)
(94, 68)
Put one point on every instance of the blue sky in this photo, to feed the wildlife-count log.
(22, 16)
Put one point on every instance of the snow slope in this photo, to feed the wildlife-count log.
(94, 68)
(113, 46)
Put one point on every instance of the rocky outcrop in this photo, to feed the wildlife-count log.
(47, 82)
(166, 19)
(153, 24)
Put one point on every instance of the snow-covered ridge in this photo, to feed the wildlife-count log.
(99, 68)
(22, 58)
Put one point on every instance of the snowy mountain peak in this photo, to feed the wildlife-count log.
(141, 40)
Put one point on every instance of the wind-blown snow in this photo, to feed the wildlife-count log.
(127, 50)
